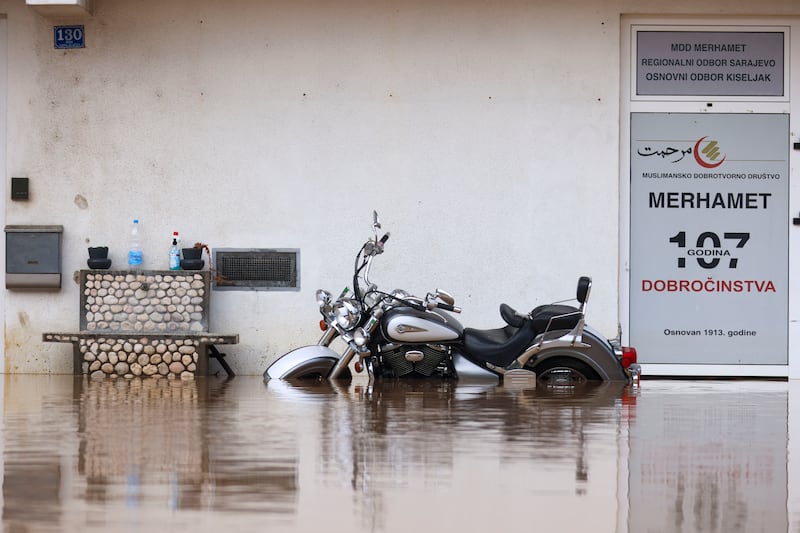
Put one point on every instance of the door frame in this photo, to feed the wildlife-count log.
(631, 103)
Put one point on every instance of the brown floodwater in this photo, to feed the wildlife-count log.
(241, 455)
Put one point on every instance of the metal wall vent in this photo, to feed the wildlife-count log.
(256, 269)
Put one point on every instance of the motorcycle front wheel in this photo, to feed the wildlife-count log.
(564, 372)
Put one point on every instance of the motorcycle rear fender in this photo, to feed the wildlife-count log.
(303, 361)
(599, 355)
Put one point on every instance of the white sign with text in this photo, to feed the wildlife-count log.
(709, 238)
(710, 63)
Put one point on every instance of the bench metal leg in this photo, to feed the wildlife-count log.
(220, 357)
(77, 359)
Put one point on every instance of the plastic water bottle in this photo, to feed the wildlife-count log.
(174, 254)
(135, 248)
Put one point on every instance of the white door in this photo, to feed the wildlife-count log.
(4, 181)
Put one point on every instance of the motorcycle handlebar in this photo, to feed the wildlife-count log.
(443, 306)
(372, 249)
(418, 307)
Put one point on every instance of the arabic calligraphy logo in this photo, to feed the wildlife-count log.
(673, 155)
(707, 156)
(706, 153)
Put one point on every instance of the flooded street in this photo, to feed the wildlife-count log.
(240, 455)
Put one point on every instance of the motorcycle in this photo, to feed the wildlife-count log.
(398, 335)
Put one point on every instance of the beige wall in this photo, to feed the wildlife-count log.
(486, 134)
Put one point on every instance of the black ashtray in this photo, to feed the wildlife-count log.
(98, 252)
(101, 264)
(192, 264)
(192, 253)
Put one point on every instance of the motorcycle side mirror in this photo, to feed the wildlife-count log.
(445, 296)
(376, 224)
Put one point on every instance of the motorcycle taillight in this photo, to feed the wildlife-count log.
(628, 356)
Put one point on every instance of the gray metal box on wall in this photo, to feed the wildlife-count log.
(33, 257)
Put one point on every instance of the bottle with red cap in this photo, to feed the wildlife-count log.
(175, 252)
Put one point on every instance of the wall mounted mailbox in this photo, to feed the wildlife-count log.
(19, 188)
(33, 257)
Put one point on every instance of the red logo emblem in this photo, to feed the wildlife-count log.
(707, 156)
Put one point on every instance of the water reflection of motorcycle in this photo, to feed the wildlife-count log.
(428, 422)
(397, 334)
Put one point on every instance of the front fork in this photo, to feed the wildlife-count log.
(344, 360)
(327, 337)
(352, 347)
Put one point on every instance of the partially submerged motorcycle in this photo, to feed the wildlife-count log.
(395, 334)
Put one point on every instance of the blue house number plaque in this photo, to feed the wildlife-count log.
(68, 37)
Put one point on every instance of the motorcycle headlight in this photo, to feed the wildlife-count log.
(347, 313)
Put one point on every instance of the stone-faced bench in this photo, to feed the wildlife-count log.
(148, 323)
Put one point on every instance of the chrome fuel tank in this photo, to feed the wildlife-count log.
(408, 325)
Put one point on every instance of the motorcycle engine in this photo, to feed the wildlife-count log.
(404, 359)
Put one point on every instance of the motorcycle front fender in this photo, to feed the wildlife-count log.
(303, 362)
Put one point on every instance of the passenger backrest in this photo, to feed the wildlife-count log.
(584, 288)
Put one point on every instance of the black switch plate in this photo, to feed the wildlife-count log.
(19, 188)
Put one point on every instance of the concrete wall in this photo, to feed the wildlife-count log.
(486, 134)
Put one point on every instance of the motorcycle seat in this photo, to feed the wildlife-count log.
(511, 316)
(562, 317)
(498, 346)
